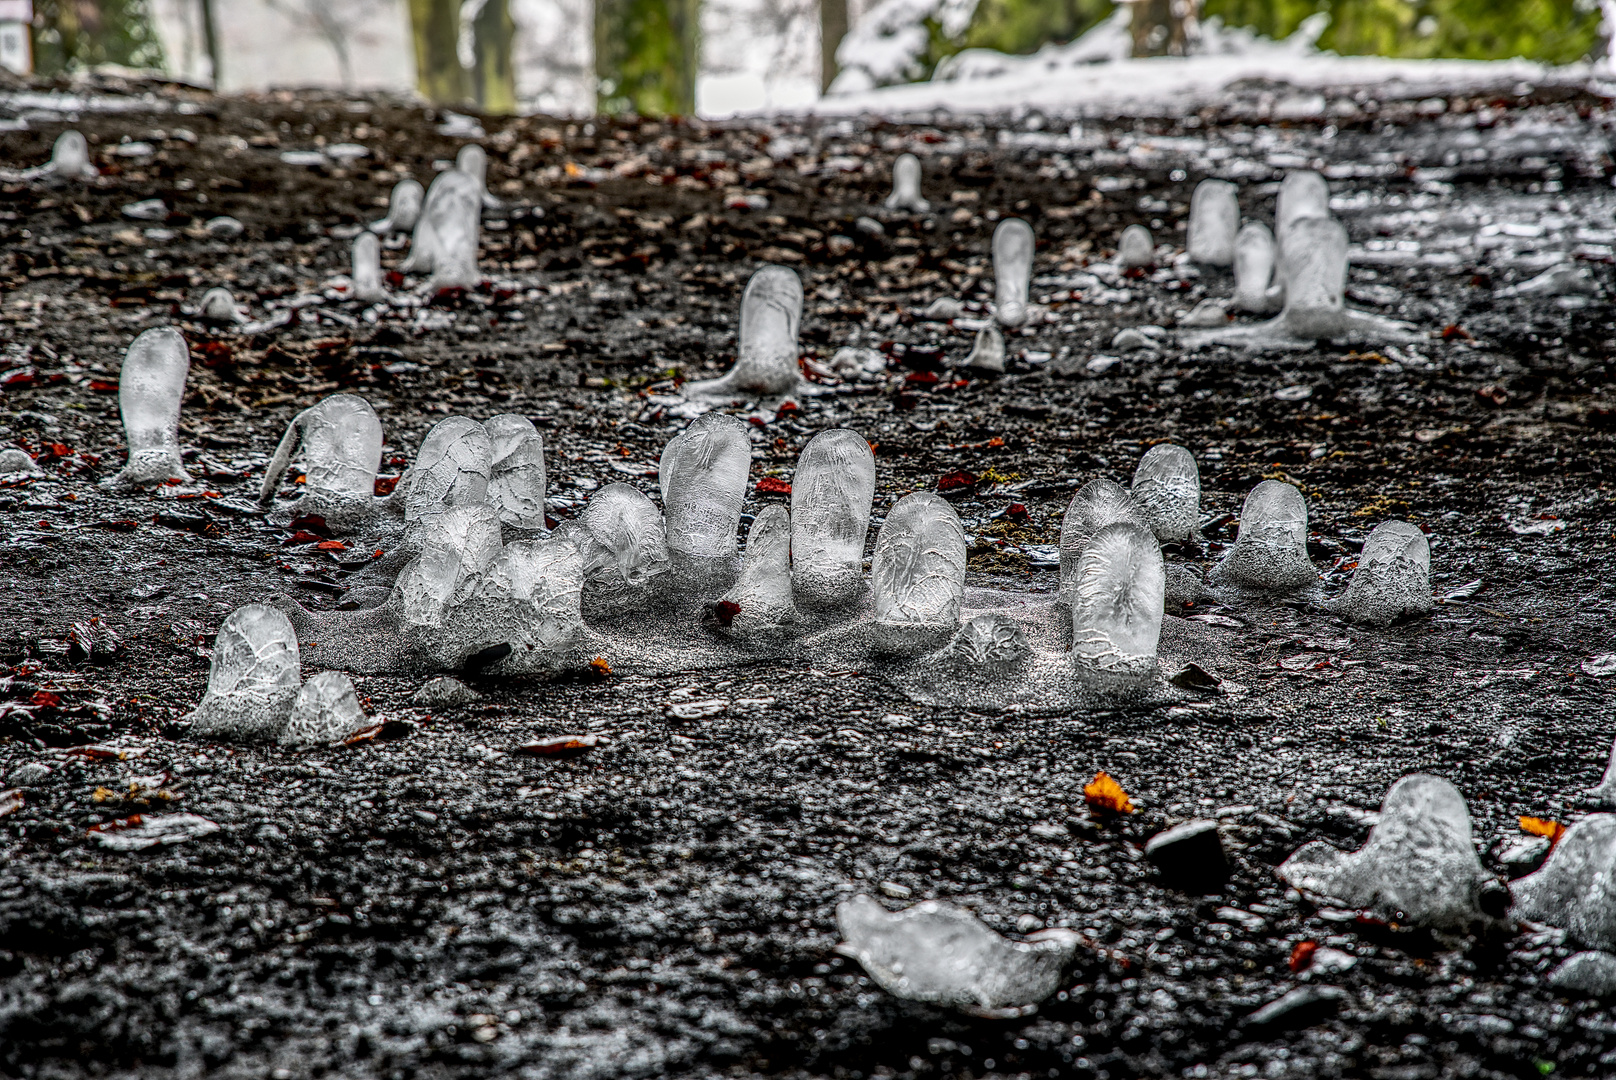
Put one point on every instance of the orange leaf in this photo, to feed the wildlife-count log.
(1302, 955)
(1105, 796)
(1543, 827)
(599, 666)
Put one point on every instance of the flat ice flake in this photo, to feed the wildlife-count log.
(1576, 887)
(1167, 487)
(366, 272)
(944, 955)
(452, 468)
(1255, 255)
(517, 481)
(1270, 551)
(917, 575)
(253, 677)
(703, 474)
(326, 710)
(1214, 220)
(1117, 603)
(341, 438)
(403, 208)
(1013, 247)
(145, 831)
(760, 602)
(1136, 249)
(906, 186)
(831, 494)
(767, 350)
(1095, 505)
(1419, 865)
(1392, 579)
(151, 388)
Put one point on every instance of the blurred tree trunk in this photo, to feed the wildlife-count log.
(646, 52)
(494, 76)
(210, 42)
(832, 28)
(1161, 27)
(439, 76)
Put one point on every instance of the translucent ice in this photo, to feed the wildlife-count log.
(473, 161)
(703, 476)
(253, 677)
(452, 468)
(1137, 249)
(1562, 280)
(906, 186)
(944, 955)
(367, 269)
(1270, 551)
(219, 305)
(70, 159)
(517, 482)
(1302, 195)
(1214, 220)
(151, 387)
(987, 642)
(760, 602)
(1419, 865)
(1393, 577)
(831, 495)
(1117, 596)
(628, 526)
(1314, 267)
(1097, 504)
(446, 236)
(342, 450)
(1576, 888)
(1167, 487)
(988, 352)
(1254, 258)
(1605, 793)
(325, 710)
(766, 354)
(529, 600)
(457, 546)
(403, 208)
(918, 575)
(1013, 246)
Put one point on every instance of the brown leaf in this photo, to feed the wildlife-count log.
(1543, 827)
(560, 746)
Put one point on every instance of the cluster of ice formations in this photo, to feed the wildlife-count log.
(151, 389)
(1576, 887)
(943, 955)
(906, 186)
(1214, 221)
(1136, 250)
(1013, 246)
(1270, 550)
(342, 450)
(403, 208)
(766, 353)
(1419, 865)
(1393, 577)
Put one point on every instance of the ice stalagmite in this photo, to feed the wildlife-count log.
(326, 710)
(151, 388)
(1214, 220)
(456, 547)
(906, 186)
(1314, 267)
(1270, 550)
(1167, 487)
(451, 468)
(1576, 887)
(1392, 579)
(527, 600)
(628, 528)
(1013, 246)
(1117, 600)
(1097, 504)
(918, 575)
(516, 481)
(219, 305)
(761, 603)
(831, 495)
(1303, 195)
(766, 352)
(944, 955)
(366, 275)
(70, 157)
(1419, 865)
(1254, 258)
(342, 450)
(253, 678)
(403, 208)
(446, 236)
(473, 161)
(1137, 249)
(703, 477)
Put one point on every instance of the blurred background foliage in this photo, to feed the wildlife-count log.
(70, 35)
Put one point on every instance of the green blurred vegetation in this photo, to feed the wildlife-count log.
(646, 56)
(70, 35)
(1024, 26)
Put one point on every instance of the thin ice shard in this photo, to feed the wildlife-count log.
(452, 468)
(1214, 220)
(253, 678)
(1013, 246)
(219, 305)
(761, 602)
(366, 275)
(831, 495)
(627, 527)
(342, 451)
(1097, 504)
(766, 353)
(944, 955)
(1167, 487)
(473, 161)
(906, 186)
(326, 710)
(1270, 551)
(517, 481)
(1419, 865)
(1303, 195)
(1254, 257)
(1392, 579)
(1137, 249)
(403, 208)
(918, 575)
(1576, 888)
(703, 476)
(151, 388)
(1118, 592)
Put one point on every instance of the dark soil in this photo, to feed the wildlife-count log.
(433, 904)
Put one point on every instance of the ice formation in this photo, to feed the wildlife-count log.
(1097, 504)
(1604, 793)
(1419, 865)
(15, 464)
(452, 468)
(766, 353)
(325, 710)
(70, 159)
(1254, 258)
(1314, 259)
(627, 528)
(1214, 220)
(1167, 487)
(944, 955)
(1592, 973)
(366, 275)
(403, 208)
(446, 236)
(761, 602)
(457, 545)
(918, 575)
(1013, 246)
(1117, 595)
(1137, 249)
(342, 451)
(253, 678)
(988, 642)
(1392, 579)
(1576, 888)
(516, 481)
(1303, 195)
(831, 495)
(1270, 550)
(988, 352)
(473, 161)
(906, 186)
(219, 305)
(526, 601)
(703, 478)
(1561, 280)
(151, 388)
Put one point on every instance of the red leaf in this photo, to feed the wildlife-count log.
(1302, 955)
(386, 484)
(961, 479)
(45, 698)
(560, 746)
(927, 378)
(726, 610)
(773, 485)
(303, 537)
(331, 545)
(103, 386)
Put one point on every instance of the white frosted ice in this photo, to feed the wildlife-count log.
(628, 526)
(457, 547)
(767, 350)
(1118, 592)
(366, 274)
(831, 495)
(326, 710)
(988, 352)
(1136, 249)
(219, 305)
(761, 601)
(342, 451)
(703, 477)
(1604, 793)
(1095, 505)
(918, 575)
(253, 678)
(1576, 887)
(1013, 246)
(452, 468)
(1314, 267)
(516, 481)
(906, 186)
(447, 234)
(1167, 487)
(988, 642)
(16, 464)
(944, 955)
(1564, 279)
(473, 161)
(403, 208)
(1270, 551)
(1392, 579)
(70, 157)
(1303, 195)
(1255, 255)
(1214, 221)
(151, 388)
(529, 599)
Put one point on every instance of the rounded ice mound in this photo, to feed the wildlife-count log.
(516, 482)
(1167, 487)
(253, 678)
(326, 710)
(918, 575)
(760, 602)
(1270, 551)
(1013, 246)
(703, 474)
(627, 527)
(906, 186)
(1097, 504)
(366, 272)
(1419, 865)
(1214, 220)
(342, 451)
(1255, 254)
(1576, 887)
(1393, 577)
(767, 350)
(151, 388)
(1136, 250)
(528, 600)
(219, 305)
(1118, 592)
(831, 495)
(452, 468)
(457, 547)
(15, 463)
(403, 208)
(1314, 267)
(70, 157)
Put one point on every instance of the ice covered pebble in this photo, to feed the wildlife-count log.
(1590, 973)
(1013, 246)
(1117, 602)
(987, 354)
(906, 186)
(325, 710)
(766, 350)
(151, 387)
(703, 476)
(1576, 888)
(253, 678)
(918, 575)
(1214, 220)
(1167, 488)
(342, 450)
(1393, 577)
(1270, 551)
(831, 495)
(70, 157)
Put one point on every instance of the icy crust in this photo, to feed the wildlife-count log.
(1269, 553)
(767, 350)
(1392, 580)
(1576, 888)
(1419, 865)
(253, 678)
(151, 387)
(325, 710)
(342, 450)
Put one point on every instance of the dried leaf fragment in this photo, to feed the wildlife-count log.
(1105, 796)
(1543, 827)
(560, 746)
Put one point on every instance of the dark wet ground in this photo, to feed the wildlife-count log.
(434, 904)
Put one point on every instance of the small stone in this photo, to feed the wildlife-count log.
(1130, 340)
(1591, 973)
(445, 692)
(943, 309)
(1190, 857)
(1302, 1007)
(32, 772)
(224, 227)
(1208, 313)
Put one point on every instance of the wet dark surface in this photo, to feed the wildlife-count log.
(433, 904)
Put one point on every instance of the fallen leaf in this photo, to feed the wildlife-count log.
(560, 746)
(1302, 955)
(1543, 827)
(599, 666)
(773, 485)
(1105, 796)
(960, 479)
